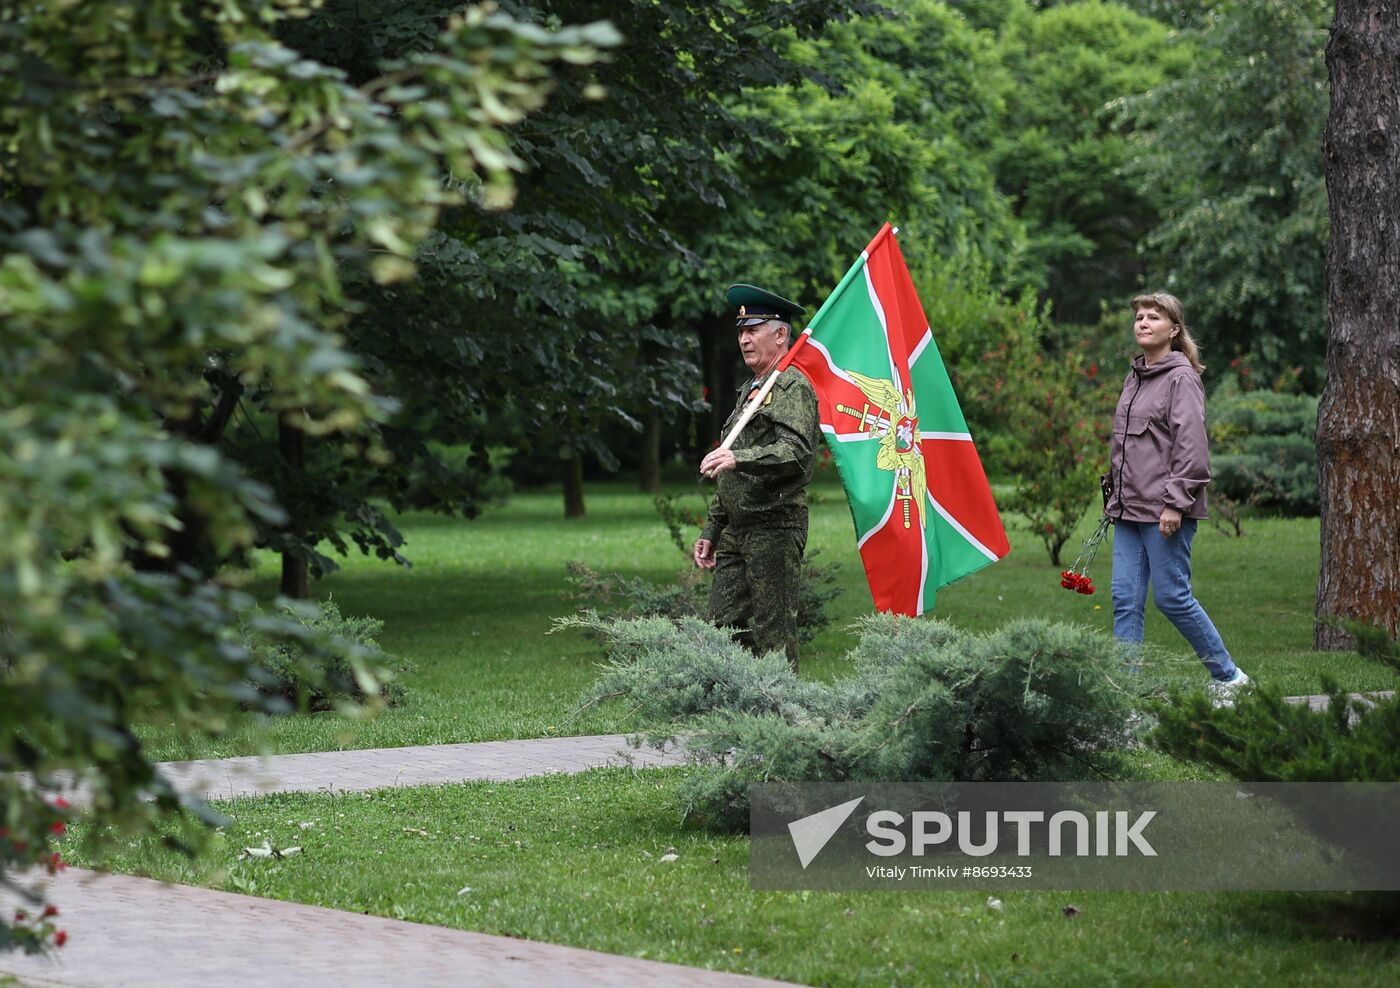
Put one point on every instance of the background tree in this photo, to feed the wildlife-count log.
(539, 328)
(179, 193)
(1358, 435)
(897, 126)
(1230, 149)
(1060, 152)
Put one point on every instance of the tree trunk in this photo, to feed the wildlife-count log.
(649, 470)
(718, 355)
(1358, 425)
(189, 544)
(291, 444)
(573, 485)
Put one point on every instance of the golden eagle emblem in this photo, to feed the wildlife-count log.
(891, 417)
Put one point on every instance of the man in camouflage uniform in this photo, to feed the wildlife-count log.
(757, 526)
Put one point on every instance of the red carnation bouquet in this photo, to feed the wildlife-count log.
(1077, 577)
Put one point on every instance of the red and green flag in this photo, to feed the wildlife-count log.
(923, 509)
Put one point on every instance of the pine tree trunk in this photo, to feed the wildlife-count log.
(649, 470)
(573, 485)
(291, 444)
(1358, 428)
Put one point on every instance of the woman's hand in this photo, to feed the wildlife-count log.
(1171, 521)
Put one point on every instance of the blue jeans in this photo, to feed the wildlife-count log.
(1142, 557)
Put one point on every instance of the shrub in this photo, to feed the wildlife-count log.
(443, 474)
(1033, 700)
(1264, 738)
(1263, 449)
(1039, 392)
(358, 671)
(623, 597)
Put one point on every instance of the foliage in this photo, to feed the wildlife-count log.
(1375, 642)
(1052, 407)
(434, 481)
(634, 597)
(892, 120)
(681, 520)
(179, 193)
(1264, 738)
(1231, 148)
(1033, 700)
(536, 327)
(285, 670)
(1061, 152)
(27, 834)
(896, 127)
(1175, 13)
(1263, 451)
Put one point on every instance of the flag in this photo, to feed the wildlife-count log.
(923, 509)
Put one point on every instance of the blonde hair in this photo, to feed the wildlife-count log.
(1170, 306)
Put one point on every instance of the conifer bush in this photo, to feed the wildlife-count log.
(317, 682)
(1263, 450)
(1032, 700)
(1263, 738)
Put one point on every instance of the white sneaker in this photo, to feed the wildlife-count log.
(1223, 693)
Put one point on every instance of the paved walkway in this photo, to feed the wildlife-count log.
(428, 765)
(138, 933)
(1320, 701)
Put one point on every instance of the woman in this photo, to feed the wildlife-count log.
(1158, 470)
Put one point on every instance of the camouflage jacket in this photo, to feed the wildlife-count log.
(774, 454)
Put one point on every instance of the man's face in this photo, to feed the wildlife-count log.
(762, 345)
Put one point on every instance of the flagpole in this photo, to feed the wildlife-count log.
(751, 408)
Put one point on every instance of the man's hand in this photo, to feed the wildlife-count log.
(1171, 521)
(704, 554)
(717, 461)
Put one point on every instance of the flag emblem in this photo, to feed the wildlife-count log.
(898, 439)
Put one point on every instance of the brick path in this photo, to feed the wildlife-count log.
(1320, 701)
(428, 765)
(138, 932)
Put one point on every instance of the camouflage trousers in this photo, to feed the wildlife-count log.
(758, 579)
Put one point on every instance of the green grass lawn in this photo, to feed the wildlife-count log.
(473, 615)
(577, 860)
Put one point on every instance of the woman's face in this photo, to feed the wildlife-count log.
(1153, 330)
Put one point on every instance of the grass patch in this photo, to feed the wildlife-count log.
(576, 860)
(472, 616)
